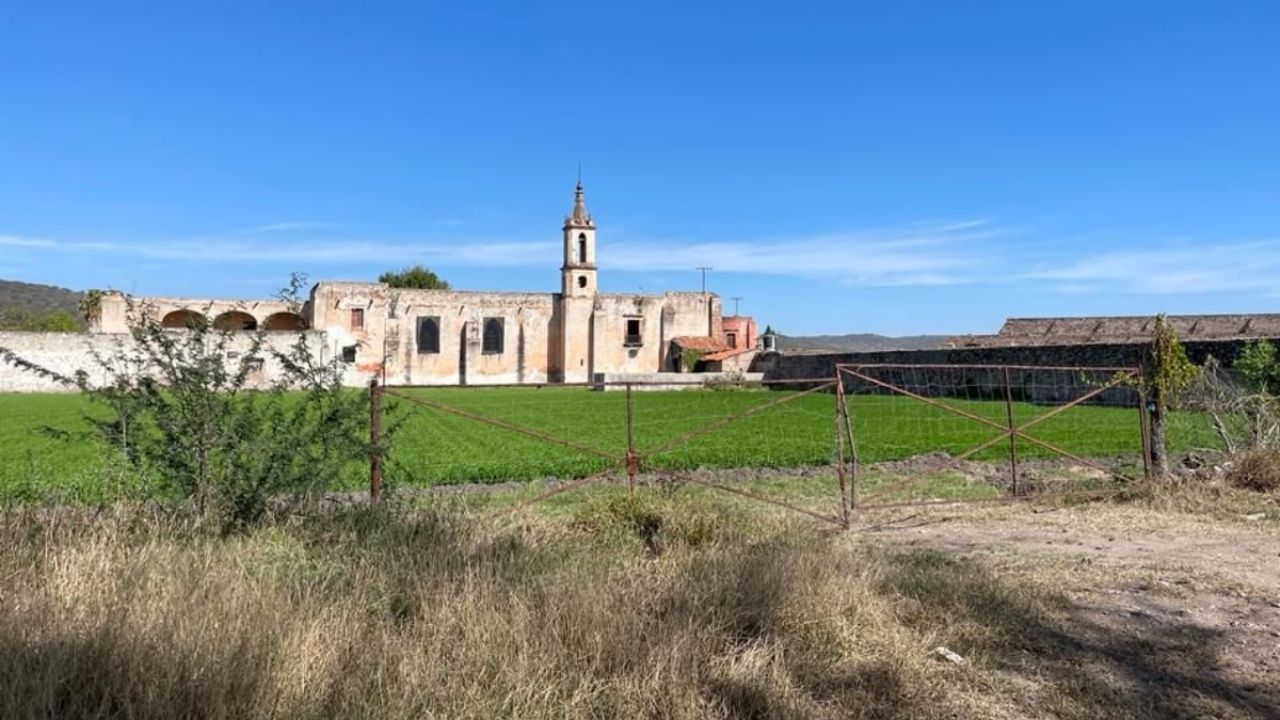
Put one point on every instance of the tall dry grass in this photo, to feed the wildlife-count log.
(629, 611)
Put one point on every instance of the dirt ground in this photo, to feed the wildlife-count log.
(1153, 599)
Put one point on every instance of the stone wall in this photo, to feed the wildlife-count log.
(546, 337)
(973, 382)
(822, 365)
(67, 353)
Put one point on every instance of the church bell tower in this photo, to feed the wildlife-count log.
(578, 273)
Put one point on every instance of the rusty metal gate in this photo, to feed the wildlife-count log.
(1005, 403)
(844, 426)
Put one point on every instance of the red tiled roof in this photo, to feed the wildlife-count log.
(701, 342)
(725, 354)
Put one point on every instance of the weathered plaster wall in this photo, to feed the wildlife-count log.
(67, 353)
(530, 351)
(743, 331)
(547, 337)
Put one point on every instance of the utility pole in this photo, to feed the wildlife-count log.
(704, 277)
(735, 300)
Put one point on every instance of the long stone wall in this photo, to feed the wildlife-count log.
(68, 353)
(788, 366)
(988, 383)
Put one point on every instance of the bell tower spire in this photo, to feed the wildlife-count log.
(578, 273)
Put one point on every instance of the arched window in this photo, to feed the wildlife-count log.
(582, 247)
(582, 281)
(493, 336)
(428, 335)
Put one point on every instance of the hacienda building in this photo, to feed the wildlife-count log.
(448, 337)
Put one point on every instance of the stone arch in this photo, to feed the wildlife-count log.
(182, 319)
(284, 321)
(235, 320)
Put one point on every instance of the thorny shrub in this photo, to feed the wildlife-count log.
(1257, 470)
(190, 415)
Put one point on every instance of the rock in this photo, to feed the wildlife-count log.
(1252, 517)
(943, 653)
(1193, 461)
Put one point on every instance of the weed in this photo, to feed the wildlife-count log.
(1257, 469)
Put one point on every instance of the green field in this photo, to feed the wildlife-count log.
(44, 444)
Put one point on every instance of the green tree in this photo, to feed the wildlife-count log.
(416, 278)
(1258, 365)
(28, 321)
(1169, 376)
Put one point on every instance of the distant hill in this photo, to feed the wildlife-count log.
(16, 295)
(860, 342)
(40, 308)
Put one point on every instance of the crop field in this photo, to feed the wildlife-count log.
(45, 445)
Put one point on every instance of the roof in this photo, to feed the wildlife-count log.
(726, 354)
(1121, 330)
(579, 218)
(701, 342)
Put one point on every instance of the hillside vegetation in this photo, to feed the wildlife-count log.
(860, 342)
(39, 308)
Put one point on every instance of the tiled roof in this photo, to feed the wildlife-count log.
(725, 354)
(1120, 330)
(702, 343)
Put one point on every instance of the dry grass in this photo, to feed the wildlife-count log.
(1257, 470)
(630, 609)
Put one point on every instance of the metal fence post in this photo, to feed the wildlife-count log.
(375, 441)
(633, 459)
(840, 445)
(1013, 432)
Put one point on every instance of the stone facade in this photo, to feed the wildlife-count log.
(449, 337)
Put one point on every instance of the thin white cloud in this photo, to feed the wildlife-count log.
(919, 254)
(1172, 270)
(230, 250)
(291, 226)
(923, 254)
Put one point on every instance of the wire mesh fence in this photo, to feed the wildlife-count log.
(868, 437)
(949, 433)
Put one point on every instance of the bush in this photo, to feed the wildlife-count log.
(1257, 470)
(191, 418)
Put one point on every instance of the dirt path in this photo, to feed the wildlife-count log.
(1237, 554)
(1167, 584)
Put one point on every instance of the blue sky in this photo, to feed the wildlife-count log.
(894, 167)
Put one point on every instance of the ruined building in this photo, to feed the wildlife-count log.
(477, 337)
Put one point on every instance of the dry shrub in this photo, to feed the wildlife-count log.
(1257, 469)
(428, 615)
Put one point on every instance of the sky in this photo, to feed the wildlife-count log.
(893, 167)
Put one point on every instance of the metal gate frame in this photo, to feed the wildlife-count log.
(1009, 430)
(632, 460)
(845, 452)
